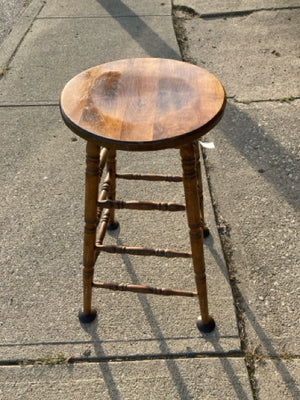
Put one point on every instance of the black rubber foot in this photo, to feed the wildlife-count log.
(206, 328)
(206, 232)
(87, 318)
(112, 227)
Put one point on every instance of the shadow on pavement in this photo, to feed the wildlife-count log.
(107, 374)
(264, 153)
(149, 40)
(290, 383)
(171, 364)
(225, 361)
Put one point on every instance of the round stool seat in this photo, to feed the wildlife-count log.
(142, 103)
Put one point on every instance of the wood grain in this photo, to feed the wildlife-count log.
(142, 103)
(141, 205)
(128, 287)
(142, 251)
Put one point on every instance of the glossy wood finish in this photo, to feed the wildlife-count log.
(128, 287)
(200, 189)
(141, 205)
(93, 243)
(111, 169)
(91, 221)
(142, 103)
(150, 177)
(142, 251)
(195, 223)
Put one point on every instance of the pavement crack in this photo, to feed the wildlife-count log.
(60, 359)
(250, 358)
(285, 99)
(185, 12)
(181, 35)
(223, 228)
(42, 104)
(244, 13)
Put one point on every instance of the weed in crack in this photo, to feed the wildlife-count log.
(55, 359)
(4, 70)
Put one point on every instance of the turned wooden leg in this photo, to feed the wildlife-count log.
(187, 152)
(200, 188)
(111, 168)
(91, 197)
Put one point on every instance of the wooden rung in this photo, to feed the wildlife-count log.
(102, 227)
(141, 205)
(127, 287)
(148, 177)
(142, 251)
(103, 158)
(104, 188)
(103, 193)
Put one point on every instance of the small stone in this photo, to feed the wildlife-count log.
(87, 353)
(276, 53)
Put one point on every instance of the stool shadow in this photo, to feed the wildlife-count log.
(149, 40)
(214, 339)
(91, 329)
(104, 366)
(265, 341)
(171, 364)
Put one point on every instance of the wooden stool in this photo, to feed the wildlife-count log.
(142, 104)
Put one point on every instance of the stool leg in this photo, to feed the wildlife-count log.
(91, 197)
(200, 188)
(187, 152)
(111, 168)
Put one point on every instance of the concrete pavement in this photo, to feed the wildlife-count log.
(148, 347)
(9, 13)
(254, 172)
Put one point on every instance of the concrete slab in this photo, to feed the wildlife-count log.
(223, 378)
(40, 293)
(255, 172)
(42, 207)
(210, 8)
(254, 177)
(52, 59)
(278, 379)
(9, 12)
(104, 8)
(18, 31)
(265, 69)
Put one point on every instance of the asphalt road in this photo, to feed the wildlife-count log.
(9, 12)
